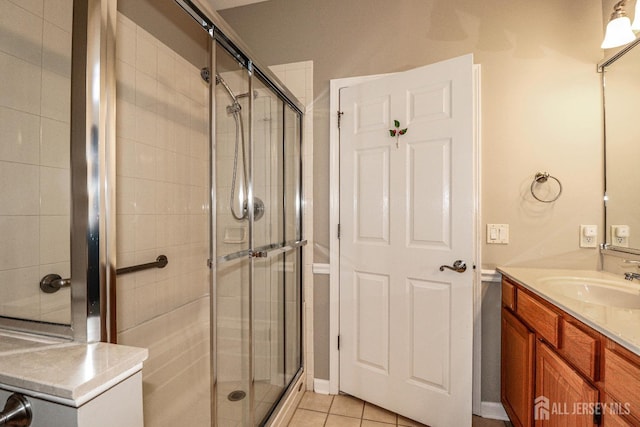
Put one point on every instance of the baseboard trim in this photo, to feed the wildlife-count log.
(493, 410)
(320, 268)
(491, 276)
(320, 386)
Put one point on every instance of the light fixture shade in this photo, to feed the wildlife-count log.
(636, 18)
(618, 33)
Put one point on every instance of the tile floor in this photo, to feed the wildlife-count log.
(320, 410)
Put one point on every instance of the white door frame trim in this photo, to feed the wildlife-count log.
(334, 217)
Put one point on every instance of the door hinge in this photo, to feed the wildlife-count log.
(338, 231)
(340, 113)
(338, 342)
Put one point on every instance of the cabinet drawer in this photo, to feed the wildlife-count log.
(508, 295)
(622, 381)
(543, 320)
(580, 348)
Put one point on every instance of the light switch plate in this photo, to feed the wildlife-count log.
(588, 236)
(498, 234)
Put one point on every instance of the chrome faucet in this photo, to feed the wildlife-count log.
(631, 276)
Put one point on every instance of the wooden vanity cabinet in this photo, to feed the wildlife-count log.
(516, 387)
(559, 382)
(547, 353)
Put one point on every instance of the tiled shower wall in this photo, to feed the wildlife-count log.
(35, 67)
(162, 208)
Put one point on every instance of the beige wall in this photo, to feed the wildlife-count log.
(540, 102)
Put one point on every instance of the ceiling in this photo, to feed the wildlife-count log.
(227, 4)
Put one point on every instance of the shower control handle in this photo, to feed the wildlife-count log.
(16, 412)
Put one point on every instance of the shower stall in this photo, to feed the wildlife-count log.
(193, 150)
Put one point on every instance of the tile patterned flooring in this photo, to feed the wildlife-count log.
(321, 410)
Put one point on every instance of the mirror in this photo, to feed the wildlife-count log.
(621, 93)
(35, 64)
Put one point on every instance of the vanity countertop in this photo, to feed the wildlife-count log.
(604, 301)
(65, 372)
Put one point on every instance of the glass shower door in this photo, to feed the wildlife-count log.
(232, 242)
(258, 344)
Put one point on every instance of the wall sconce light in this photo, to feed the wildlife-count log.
(619, 30)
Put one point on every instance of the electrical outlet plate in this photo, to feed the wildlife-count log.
(588, 236)
(620, 235)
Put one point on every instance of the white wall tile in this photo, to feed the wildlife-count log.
(60, 13)
(20, 241)
(145, 196)
(19, 192)
(166, 66)
(146, 126)
(146, 91)
(19, 136)
(125, 82)
(198, 89)
(55, 144)
(55, 190)
(34, 6)
(56, 96)
(125, 196)
(145, 161)
(126, 126)
(182, 81)
(22, 32)
(126, 157)
(17, 284)
(24, 91)
(56, 50)
(55, 239)
(126, 40)
(125, 234)
(145, 232)
(183, 174)
(169, 169)
(146, 53)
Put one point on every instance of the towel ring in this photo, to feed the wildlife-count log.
(541, 178)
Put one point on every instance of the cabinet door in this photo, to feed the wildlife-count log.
(517, 370)
(564, 398)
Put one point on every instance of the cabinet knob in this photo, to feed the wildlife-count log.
(16, 412)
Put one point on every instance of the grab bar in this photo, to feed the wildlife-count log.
(262, 251)
(54, 282)
(160, 262)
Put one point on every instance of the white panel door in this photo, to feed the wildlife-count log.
(406, 328)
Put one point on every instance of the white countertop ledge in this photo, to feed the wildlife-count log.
(620, 324)
(71, 373)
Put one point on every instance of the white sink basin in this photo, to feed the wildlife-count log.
(611, 293)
